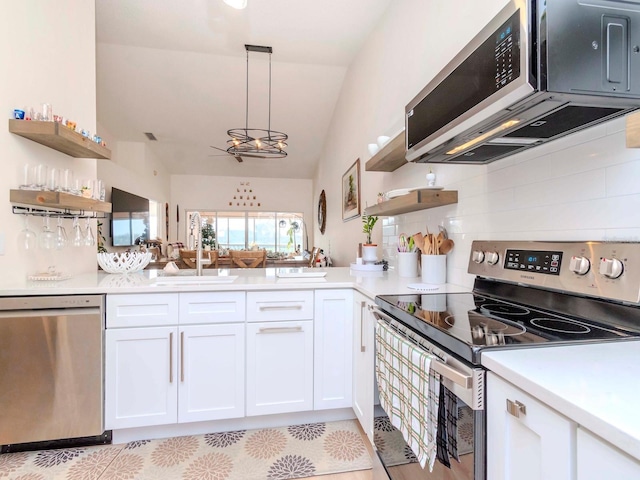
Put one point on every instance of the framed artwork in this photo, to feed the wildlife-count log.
(351, 192)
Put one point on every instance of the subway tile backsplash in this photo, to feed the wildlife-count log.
(583, 187)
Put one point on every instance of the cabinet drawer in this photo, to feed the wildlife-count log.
(142, 310)
(212, 307)
(278, 306)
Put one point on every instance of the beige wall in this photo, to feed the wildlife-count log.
(47, 50)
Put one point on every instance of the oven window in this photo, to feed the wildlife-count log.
(401, 463)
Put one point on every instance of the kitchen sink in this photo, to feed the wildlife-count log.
(189, 277)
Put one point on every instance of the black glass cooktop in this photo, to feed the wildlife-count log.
(468, 323)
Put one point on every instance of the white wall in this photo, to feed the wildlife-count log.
(583, 187)
(47, 50)
(198, 192)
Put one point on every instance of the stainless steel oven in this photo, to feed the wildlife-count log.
(525, 295)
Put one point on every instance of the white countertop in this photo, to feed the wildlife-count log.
(596, 385)
(369, 283)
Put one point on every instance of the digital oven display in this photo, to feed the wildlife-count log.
(534, 261)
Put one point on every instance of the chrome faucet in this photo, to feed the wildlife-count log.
(196, 221)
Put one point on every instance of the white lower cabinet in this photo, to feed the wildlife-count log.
(597, 460)
(526, 440)
(363, 362)
(279, 367)
(158, 375)
(211, 372)
(333, 349)
(141, 387)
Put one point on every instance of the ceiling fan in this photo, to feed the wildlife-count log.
(234, 155)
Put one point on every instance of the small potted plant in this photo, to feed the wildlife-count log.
(369, 250)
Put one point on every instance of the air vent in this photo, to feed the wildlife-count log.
(151, 136)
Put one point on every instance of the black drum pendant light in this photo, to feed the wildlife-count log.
(257, 142)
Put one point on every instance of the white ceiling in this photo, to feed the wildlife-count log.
(178, 69)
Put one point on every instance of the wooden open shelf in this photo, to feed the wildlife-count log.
(413, 201)
(390, 157)
(58, 137)
(58, 200)
(633, 130)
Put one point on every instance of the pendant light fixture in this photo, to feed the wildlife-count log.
(257, 142)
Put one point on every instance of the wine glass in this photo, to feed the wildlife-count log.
(78, 239)
(61, 236)
(46, 239)
(89, 239)
(27, 239)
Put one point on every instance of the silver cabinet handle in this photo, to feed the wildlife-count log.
(280, 307)
(182, 356)
(280, 329)
(362, 307)
(516, 408)
(171, 357)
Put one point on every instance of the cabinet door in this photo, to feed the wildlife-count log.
(333, 349)
(598, 459)
(526, 440)
(211, 373)
(279, 367)
(363, 363)
(141, 377)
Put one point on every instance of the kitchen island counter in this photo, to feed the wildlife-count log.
(594, 385)
(369, 283)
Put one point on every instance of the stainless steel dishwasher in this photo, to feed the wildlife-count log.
(51, 380)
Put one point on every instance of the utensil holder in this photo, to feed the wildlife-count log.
(407, 264)
(434, 269)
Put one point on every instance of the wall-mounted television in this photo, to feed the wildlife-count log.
(129, 219)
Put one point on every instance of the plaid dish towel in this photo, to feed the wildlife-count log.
(408, 393)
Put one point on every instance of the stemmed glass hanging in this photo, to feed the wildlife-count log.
(61, 235)
(77, 239)
(46, 239)
(89, 239)
(27, 238)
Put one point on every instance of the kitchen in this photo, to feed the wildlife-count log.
(579, 188)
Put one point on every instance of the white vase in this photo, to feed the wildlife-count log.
(370, 253)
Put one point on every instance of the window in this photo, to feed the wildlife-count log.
(282, 232)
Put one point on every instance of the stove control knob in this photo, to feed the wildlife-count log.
(611, 267)
(477, 256)
(579, 265)
(492, 257)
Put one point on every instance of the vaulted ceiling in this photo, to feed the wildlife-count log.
(178, 69)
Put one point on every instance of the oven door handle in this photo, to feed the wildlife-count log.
(459, 378)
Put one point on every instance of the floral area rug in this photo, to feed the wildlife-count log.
(297, 451)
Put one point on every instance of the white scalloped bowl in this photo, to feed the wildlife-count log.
(124, 262)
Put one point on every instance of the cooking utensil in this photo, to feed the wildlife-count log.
(403, 244)
(177, 220)
(419, 241)
(447, 246)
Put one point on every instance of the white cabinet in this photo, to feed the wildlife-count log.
(333, 349)
(279, 352)
(526, 440)
(211, 372)
(363, 362)
(597, 459)
(279, 367)
(140, 377)
(161, 370)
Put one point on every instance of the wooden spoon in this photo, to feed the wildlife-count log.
(419, 241)
(447, 246)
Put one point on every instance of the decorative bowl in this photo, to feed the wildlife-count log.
(124, 262)
(373, 148)
(382, 140)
